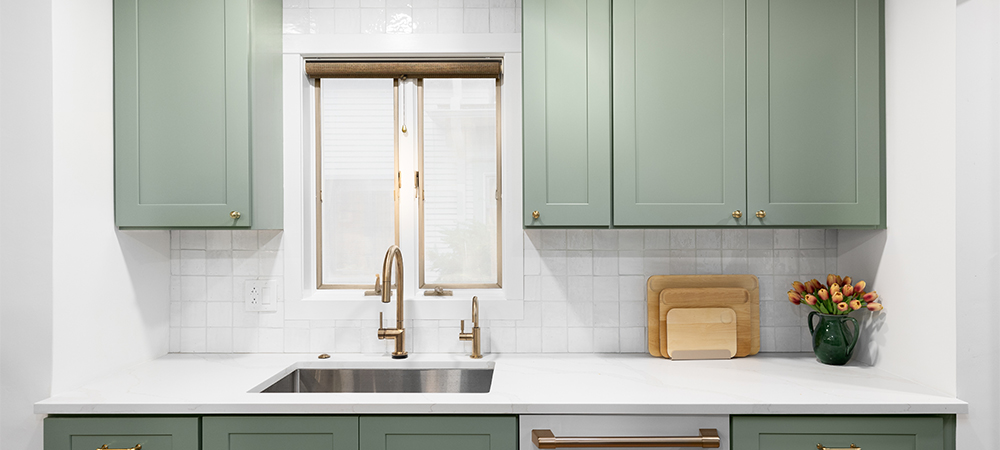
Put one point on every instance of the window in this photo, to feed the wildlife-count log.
(413, 161)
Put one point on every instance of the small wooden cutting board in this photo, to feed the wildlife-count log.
(737, 299)
(701, 333)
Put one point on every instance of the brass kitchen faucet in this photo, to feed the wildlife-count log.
(399, 333)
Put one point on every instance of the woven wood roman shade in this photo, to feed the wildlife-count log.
(487, 68)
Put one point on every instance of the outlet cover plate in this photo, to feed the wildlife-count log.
(260, 295)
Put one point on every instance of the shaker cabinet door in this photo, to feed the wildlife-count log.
(567, 112)
(182, 105)
(679, 112)
(280, 432)
(814, 113)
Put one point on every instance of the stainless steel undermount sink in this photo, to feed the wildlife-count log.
(385, 380)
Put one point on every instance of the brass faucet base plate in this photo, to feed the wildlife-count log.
(403, 356)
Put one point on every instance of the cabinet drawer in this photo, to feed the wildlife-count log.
(865, 432)
(620, 426)
(90, 433)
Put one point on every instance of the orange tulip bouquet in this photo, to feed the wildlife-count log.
(839, 296)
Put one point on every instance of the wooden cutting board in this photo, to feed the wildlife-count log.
(701, 333)
(737, 299)
(657, 283)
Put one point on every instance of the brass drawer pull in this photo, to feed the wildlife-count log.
(852, 447)
(105, 447)
(544, 439)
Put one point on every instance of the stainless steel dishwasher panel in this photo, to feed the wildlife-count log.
(619, 425)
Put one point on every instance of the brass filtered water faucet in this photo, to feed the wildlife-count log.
(474, 335)
(397, 334)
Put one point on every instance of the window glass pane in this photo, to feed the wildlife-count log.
(358, 171)
(460, 181)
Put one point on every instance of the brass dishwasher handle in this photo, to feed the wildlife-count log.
(105, 447)
(852, 447)
(709, 438)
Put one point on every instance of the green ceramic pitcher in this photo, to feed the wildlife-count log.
(833, 343)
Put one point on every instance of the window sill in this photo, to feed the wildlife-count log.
(354, 304)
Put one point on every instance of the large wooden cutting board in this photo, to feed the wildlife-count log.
(655, 284)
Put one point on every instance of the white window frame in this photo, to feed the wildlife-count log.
(301, 298)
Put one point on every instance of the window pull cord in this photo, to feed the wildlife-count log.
(402, 81)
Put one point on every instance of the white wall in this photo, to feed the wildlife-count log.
(111, 290)
(78, 298)
(25, 218)
(978, 216)
(912, 263)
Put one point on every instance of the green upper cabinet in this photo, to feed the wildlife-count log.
(438, 432)
(814, 108)
(679, 112)
(280, 432)
(197, 113)
(567, 112)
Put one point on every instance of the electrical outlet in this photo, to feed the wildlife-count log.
(261, 295)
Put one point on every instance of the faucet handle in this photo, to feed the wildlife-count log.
(380, 321)
(463, 326)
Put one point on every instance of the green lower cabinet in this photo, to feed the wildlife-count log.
(438, 432)
(841, 432)
(90, 433)
(280, 432)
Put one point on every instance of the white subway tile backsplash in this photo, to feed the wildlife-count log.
(606, 314)
(580, 262)
(476, 20)
(580, 340)
(786, 239)
(321, 3)
(734, 239)
(372, 20)
(218, 240)
(295, 21)
(192, 239)
(760, 239)
(584, 291)
(605, 262)
(708, 239)
(399, 20)
(347, 21)
(606, 240)
(682, 239)
(322, 21)
(606, 340)
(219, 340)
(554, 340)
(630, 239)
(709, 262)
(554, 239)
(529, 340)
(579, 239)
(425, 20)
(656, 239)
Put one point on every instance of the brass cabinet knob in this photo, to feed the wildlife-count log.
(534, 214)
(761, 214)
(737, 214)
(234, 214)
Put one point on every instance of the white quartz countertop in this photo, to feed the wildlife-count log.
(522, 384)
